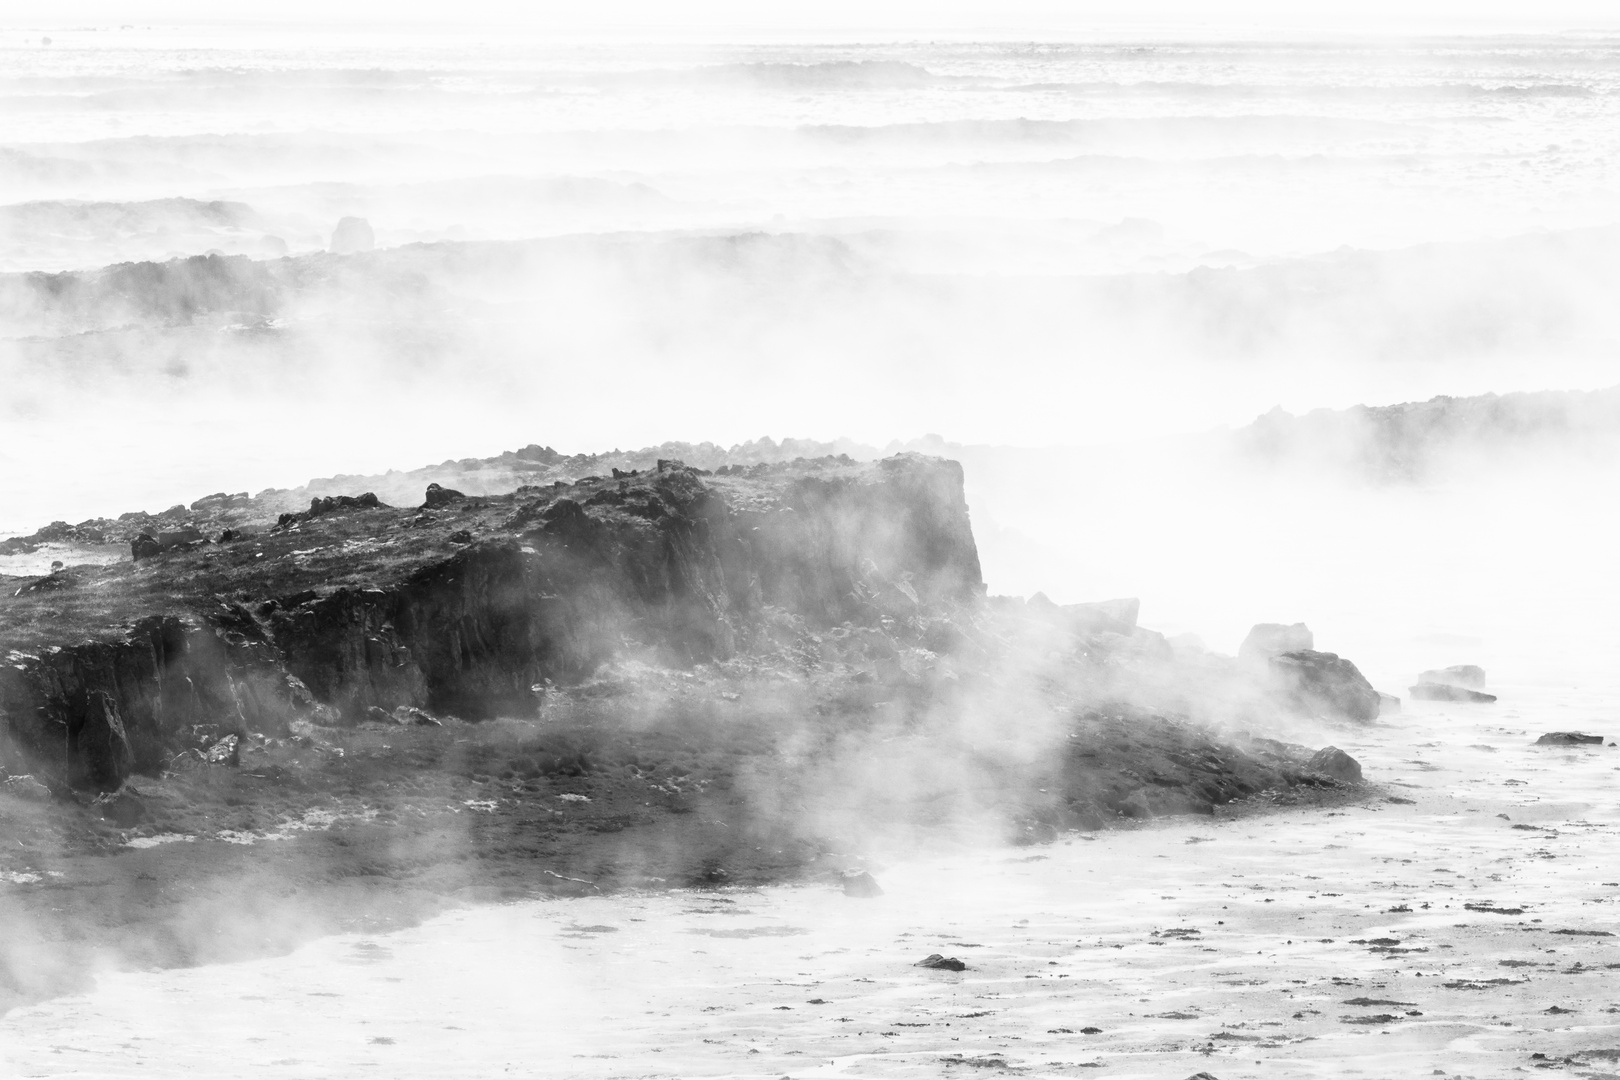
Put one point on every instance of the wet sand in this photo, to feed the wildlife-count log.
(1457, 921)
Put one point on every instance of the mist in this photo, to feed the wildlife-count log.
(1224, 318)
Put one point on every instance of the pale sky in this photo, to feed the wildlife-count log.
(908, 15)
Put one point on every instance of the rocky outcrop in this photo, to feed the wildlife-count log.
(330, 504)
(669, 563)
(1569, 738)
(1266, 640)
(91, 714)
(1324, 683)
(353, 234)
(147, 546)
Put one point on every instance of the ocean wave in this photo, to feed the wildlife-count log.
(1447, 298)
(1026, 130)
(47, 215)
(1311, 91)
(829, 74)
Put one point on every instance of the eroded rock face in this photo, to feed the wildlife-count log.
(93, 713)
(665, 560)
(1324, 683)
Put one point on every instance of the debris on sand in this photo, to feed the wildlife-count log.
(860, 884)
(941, 963)
(1569, 738)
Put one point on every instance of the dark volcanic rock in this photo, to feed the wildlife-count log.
(1326, 683)
(440, 496)
(1266, 640)
(667, 563)
(329, 504)
(1429, 691)
(1331, 761)
(146, 546)
(941, 963)
(90, 714)
(1466, 675)
(1569, 738)
(122, 808)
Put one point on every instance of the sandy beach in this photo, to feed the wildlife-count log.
(1453, 922)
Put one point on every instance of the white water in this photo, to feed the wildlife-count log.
(896, 232)
(1061, 936)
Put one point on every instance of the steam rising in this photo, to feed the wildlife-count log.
(1091, 267)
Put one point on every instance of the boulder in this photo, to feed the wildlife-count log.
(440, 496)
(1466, 675)
(859, 883)
(1388, 704)
(1266, 640)
(1331, 761)
(145, 546)
(409, 714)
(1118, 616)
(1569, 738)
(941, 963)
(351, 235)
(121, 807)
(24, 787)
(1432, 691)
(1325, 683)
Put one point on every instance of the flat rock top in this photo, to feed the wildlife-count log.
(357, 547)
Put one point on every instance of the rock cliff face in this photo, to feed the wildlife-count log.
(471, 607)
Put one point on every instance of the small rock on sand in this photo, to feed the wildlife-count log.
(1569, 738)
(941, 963)
(859, 883)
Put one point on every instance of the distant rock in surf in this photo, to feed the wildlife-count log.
(353, 234)
(1388, 704)
(1269, 639)
(941, 963)
(1569, 738)
(1465, 675)
(1433, 691)
(1326, 683)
